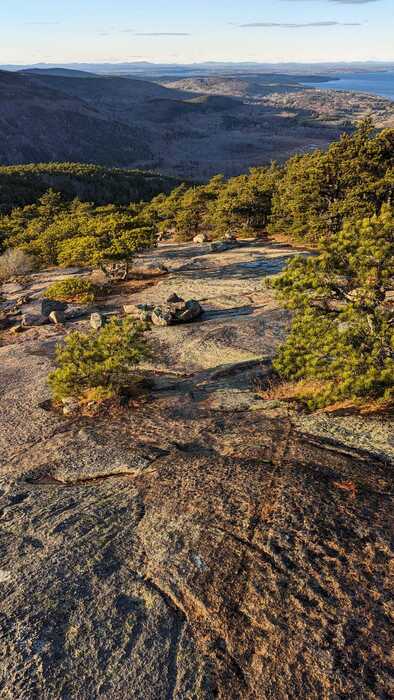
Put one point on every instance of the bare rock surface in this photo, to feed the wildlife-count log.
(202, 543)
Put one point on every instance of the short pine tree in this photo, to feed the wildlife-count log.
(73, 289)
(102, 361)
(343, 329)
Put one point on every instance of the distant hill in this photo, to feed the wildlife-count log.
(24, 184)
(62, 72)
(212, 67)
(242, 85)
(42, 122)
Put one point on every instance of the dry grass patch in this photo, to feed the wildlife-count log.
(15, 263)
(306, 389)
(292, 391)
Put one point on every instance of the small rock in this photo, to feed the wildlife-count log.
(141, 311)
(174, 299)
(100, 278)
(161, 316)
(49, 305)
(18, 328)
(200, 238)
(96, 320)
(192, 310)
(70, 406)
(57, 317)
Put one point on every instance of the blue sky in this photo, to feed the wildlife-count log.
(179, 31)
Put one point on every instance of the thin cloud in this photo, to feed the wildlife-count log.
(162, 34)
(41, 23)
(300, 25)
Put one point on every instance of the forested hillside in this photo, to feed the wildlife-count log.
(124, 122)
(58, 126)
(308, 197)
(24, 184)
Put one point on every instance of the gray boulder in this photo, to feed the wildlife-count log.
(178, 311)
(174, 310)
(192, 310)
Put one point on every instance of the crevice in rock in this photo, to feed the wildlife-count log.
(331, 445)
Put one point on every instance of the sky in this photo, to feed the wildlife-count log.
(180, 31)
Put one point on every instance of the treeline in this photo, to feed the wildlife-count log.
(95, 208)
(308, 197)
(25, 184)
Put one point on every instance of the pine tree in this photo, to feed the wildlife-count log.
(343, 329)
(353, 178)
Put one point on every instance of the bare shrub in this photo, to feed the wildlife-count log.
(14, 263)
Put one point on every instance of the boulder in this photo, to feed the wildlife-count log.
(174, 310)
(100, 278)
(178, 311)
(49, 305)
(191, 311)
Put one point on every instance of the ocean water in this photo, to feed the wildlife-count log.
(379, 83)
